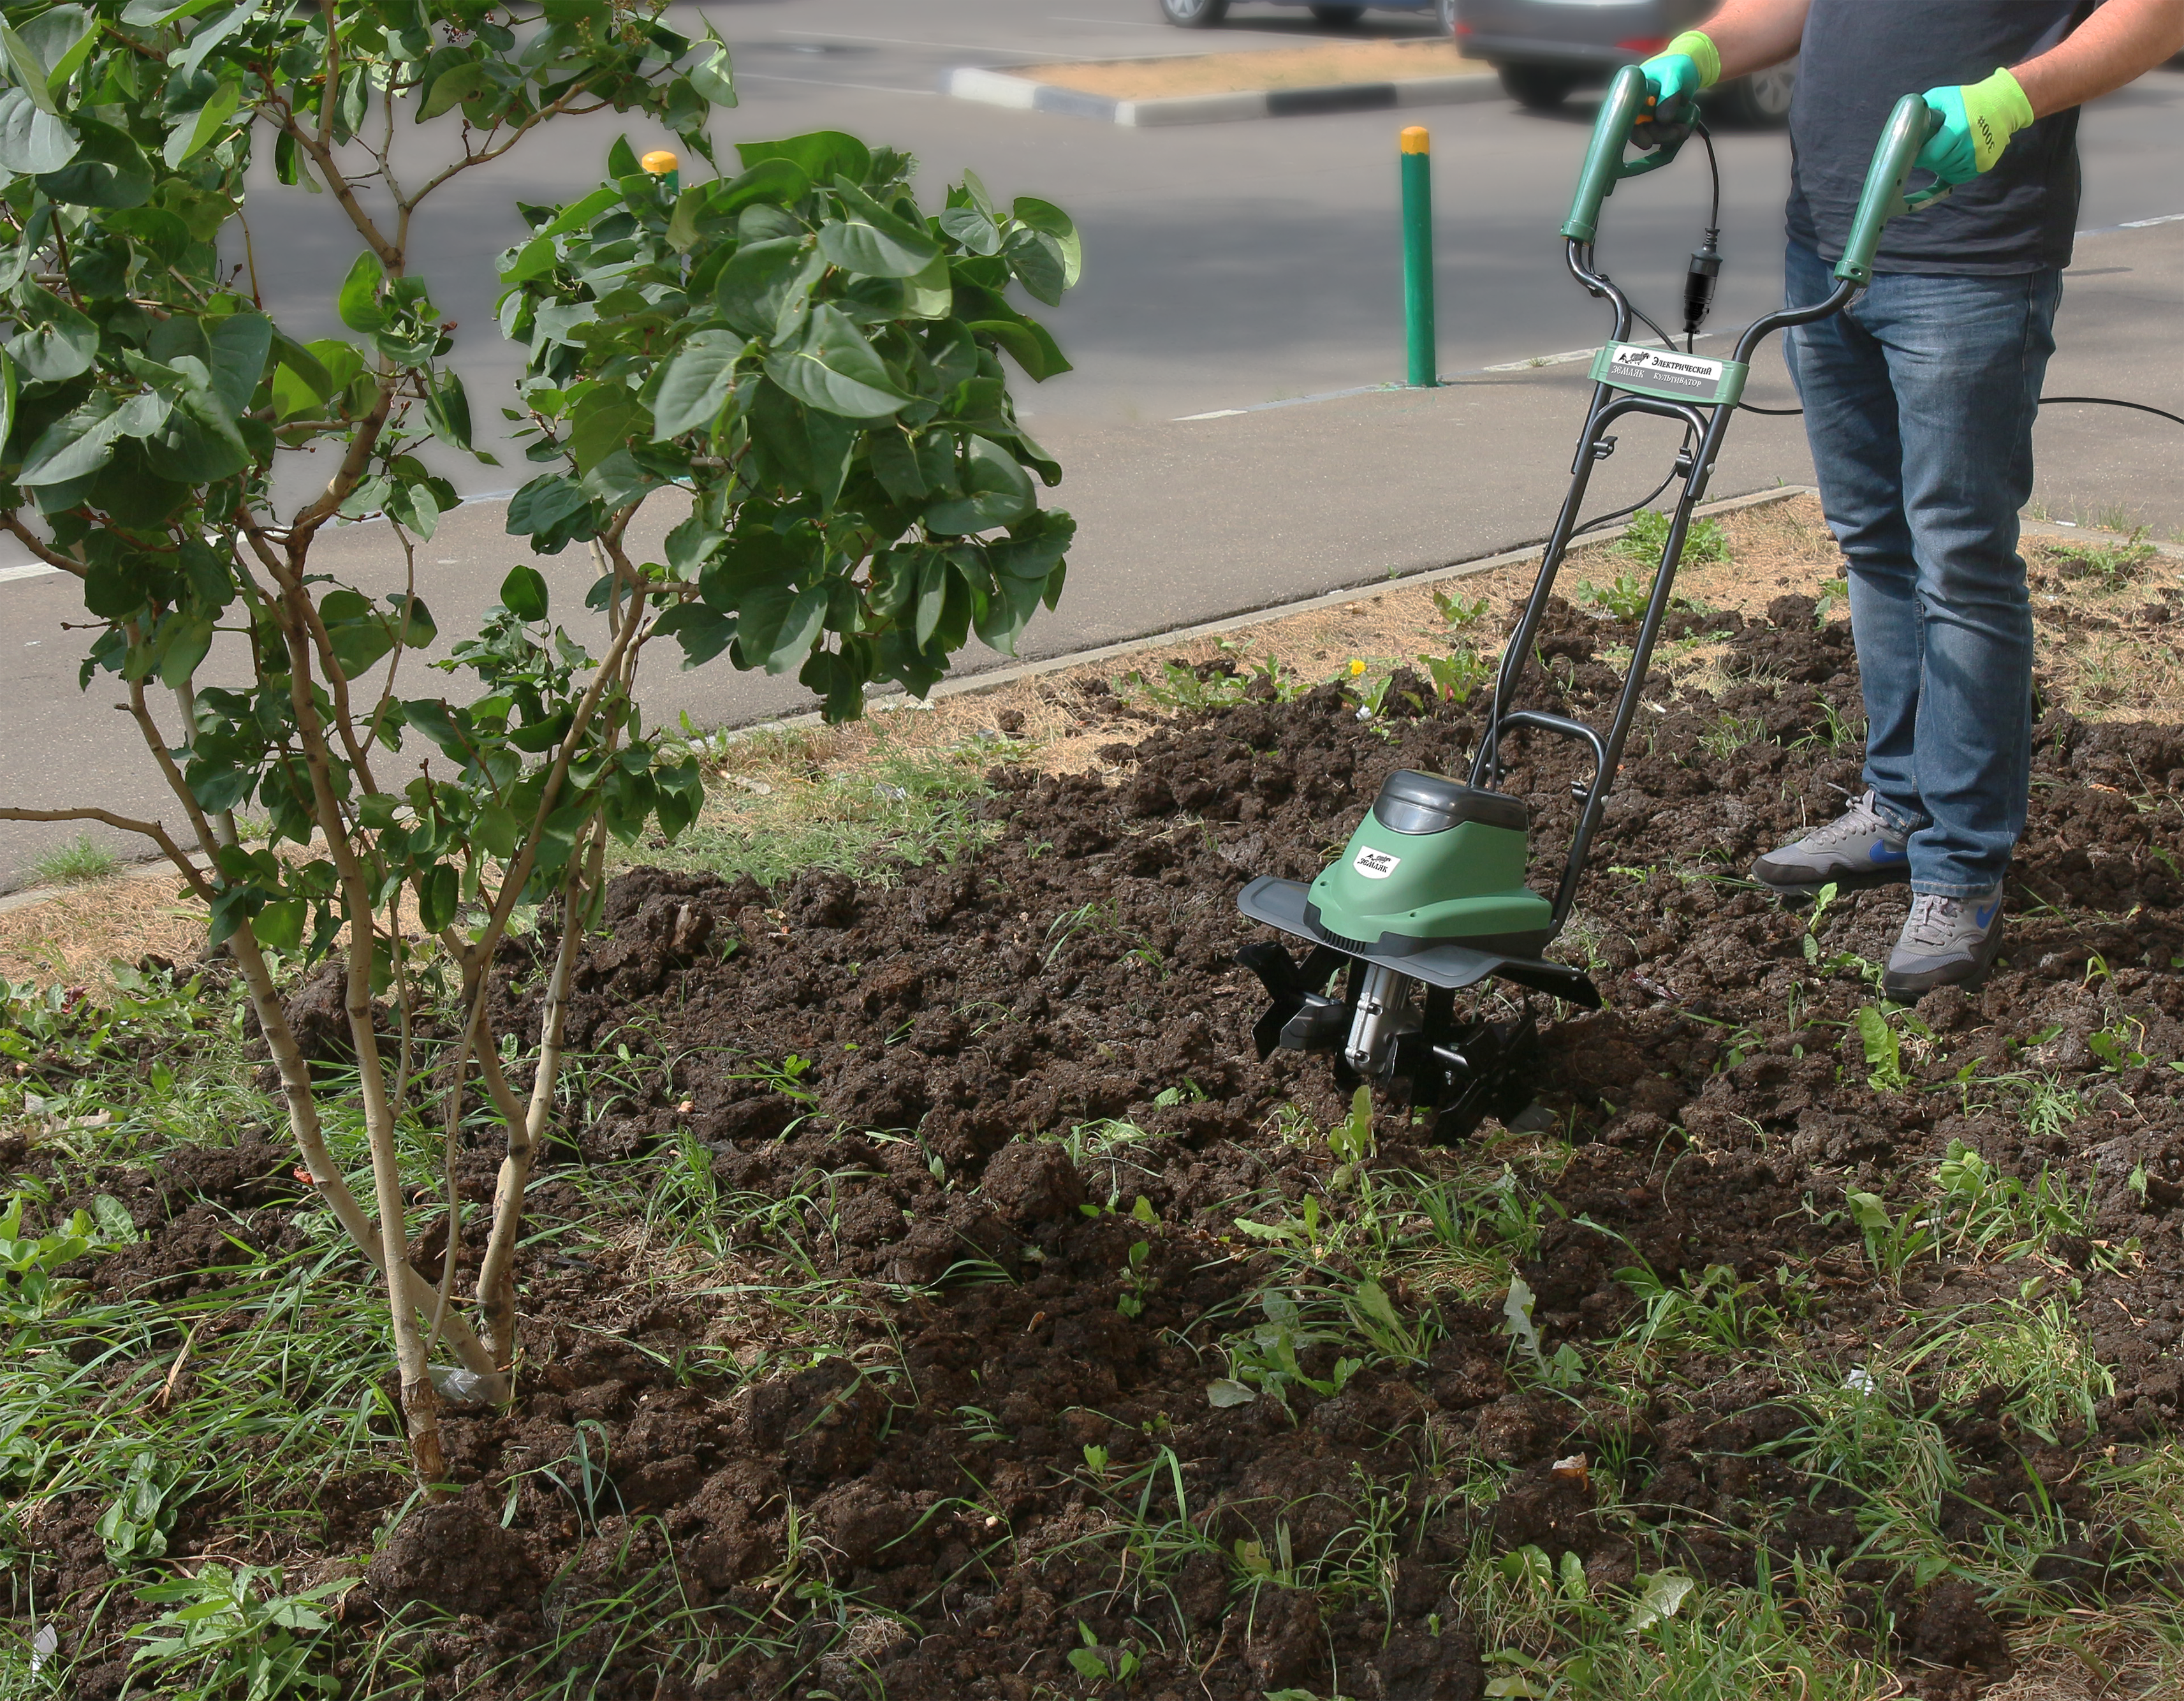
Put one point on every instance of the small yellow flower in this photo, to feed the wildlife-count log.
(1356, 668)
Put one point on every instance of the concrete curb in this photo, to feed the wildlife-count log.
(1000, 88)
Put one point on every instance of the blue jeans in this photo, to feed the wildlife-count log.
(1920, 399)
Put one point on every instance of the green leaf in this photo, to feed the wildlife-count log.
(280, 925)
(1222, 1391)
(996, 492)
(82, 442)
(496, 831)
(359, 301)
(799, 630)
(776, 183)
(604, 420)
(451, 88)
(544, 505)
(32, 141)
(1050, 219)
(694, 387)
(240, 345)
(763, 278)
(448, 410)
(523, 594)
(711, 74)
(821, 156)
(184, 641)
(835, 370)
(972, 229)
(1036, 259)
(55, 342)
(7, 403)
(871, 241)
(579, 213)
(188, 139)
(28, 71)
(438, 893)
(108, 170)
(932, 293)
(63, 37)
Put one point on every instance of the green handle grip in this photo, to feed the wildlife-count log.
(1883, 198)
(1604, 164)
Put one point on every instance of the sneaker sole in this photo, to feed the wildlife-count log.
(1859, 882)
(1909, 989)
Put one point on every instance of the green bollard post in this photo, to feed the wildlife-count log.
(1417, 258)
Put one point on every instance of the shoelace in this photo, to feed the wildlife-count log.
(1858, 820)
(1932, 919)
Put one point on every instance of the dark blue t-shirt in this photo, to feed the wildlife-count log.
(1859, 58)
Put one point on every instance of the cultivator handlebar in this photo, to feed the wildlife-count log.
(1886, 194)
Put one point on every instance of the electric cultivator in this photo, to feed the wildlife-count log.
(1430, 898)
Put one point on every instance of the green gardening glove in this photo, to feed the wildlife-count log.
(1681, 70)
(1977, 121)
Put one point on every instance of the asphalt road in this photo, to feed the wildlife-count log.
(1227, 266)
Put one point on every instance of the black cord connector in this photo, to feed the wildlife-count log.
(1698, 285)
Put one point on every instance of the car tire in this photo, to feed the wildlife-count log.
(1541, 87)
(1194, 15)
(1444, 11)
(1338, 17)
(1760, 101)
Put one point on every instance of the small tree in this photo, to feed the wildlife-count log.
(797, 348)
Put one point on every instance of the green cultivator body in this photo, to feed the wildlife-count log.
(1430, 897)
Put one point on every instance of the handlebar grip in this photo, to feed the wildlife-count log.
(1604, 156)
(1883, 198)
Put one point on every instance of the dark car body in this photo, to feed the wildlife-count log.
(1545, 49)
(1204, 14)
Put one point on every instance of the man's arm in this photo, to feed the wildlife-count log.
(1751, 35)
(2123, 39)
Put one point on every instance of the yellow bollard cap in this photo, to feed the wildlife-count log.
(659, 162)
(1413, 140)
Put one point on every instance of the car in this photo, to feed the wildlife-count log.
(1546, 49)
(1204, 14)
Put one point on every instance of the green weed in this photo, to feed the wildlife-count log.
(1706, 543)
(864, 821)
(82, 858)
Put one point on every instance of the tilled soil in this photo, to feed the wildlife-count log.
(970, 1026)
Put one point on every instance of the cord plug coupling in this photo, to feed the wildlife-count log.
(1699, 281)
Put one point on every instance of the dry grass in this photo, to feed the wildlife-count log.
(1313, 67)
(72, 935)
(2123, 669)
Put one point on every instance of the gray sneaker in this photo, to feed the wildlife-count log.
(1945, 942)
(1857, 848)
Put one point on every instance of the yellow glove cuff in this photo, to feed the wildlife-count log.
(1698, 46)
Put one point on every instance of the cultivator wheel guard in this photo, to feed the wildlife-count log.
(1430, 896)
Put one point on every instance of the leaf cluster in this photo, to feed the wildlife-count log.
(819, 364)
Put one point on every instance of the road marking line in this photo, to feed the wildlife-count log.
(823, 82)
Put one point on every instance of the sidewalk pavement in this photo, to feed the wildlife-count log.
(1184, 521)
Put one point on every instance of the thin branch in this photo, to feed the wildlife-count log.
(38, 547)
(149, 829)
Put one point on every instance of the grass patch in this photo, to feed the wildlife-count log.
(82, 859)
(780, 804)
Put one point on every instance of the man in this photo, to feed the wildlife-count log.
(1919, 406)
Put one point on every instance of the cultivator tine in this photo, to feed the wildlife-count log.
(1301, 1016)
(1492, 1070)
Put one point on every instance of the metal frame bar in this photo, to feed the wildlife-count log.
(1709, 423)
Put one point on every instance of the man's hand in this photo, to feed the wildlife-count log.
(1977, 121)
(1681, 70)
